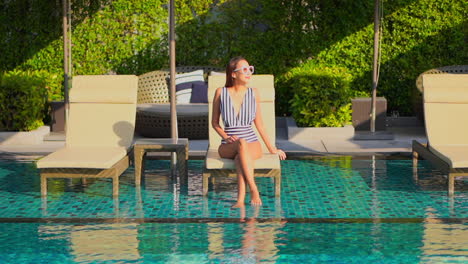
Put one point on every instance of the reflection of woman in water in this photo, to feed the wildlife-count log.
(239, 106)
(260, 239)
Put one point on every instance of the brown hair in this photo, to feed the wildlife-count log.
(231, 66)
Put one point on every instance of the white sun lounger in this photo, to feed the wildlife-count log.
(99, 131)
(446, 119)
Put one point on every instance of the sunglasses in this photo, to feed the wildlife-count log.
(245, 70)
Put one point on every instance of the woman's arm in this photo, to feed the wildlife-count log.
(261, 129)
(216, 115)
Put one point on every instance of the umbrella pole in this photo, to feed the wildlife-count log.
(69, 39)
(375, 74)
(172, 62)
(65, 58)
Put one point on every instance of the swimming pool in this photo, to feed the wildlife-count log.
(337, 210)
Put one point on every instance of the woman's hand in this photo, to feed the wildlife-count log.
(281, 154)
(231, 139)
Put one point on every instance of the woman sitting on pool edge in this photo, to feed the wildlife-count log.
(239, 106)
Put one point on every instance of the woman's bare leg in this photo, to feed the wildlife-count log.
(230, 151)
(246, 153)
(240, 185)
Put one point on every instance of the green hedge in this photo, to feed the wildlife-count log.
(23, 96)
(321, 96)
(130, 37)
(417, 36)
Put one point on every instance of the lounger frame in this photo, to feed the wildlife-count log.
(83, 173)
(422, 151)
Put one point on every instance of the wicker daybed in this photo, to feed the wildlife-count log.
(153, 109)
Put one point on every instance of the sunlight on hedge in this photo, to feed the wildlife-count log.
(277, 36)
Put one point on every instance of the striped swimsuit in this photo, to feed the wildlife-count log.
(240, 126)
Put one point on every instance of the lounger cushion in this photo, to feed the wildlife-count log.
(199, 93)
(100, 125)
(446, 88)
(184, 85)
(183, 93)
(189, 77)
(214, 73)
(214, 161)
(445, 108)
(83, 157)
(455, 155)
(164, 110)
(104, 88)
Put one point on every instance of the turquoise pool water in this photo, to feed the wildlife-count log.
(273, 242)
(332, 210)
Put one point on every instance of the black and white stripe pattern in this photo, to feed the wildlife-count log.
(240, 125)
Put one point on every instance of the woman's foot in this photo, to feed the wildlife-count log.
(255, 200)
(238, 205)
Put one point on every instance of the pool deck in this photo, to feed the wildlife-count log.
(399, 145)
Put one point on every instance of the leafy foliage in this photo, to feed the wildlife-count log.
(321, 96)
(23, 96)
(277, 36)
(417, 36)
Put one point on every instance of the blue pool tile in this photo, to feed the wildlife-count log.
(342, 187)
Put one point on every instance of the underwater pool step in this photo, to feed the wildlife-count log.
(76, 220)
